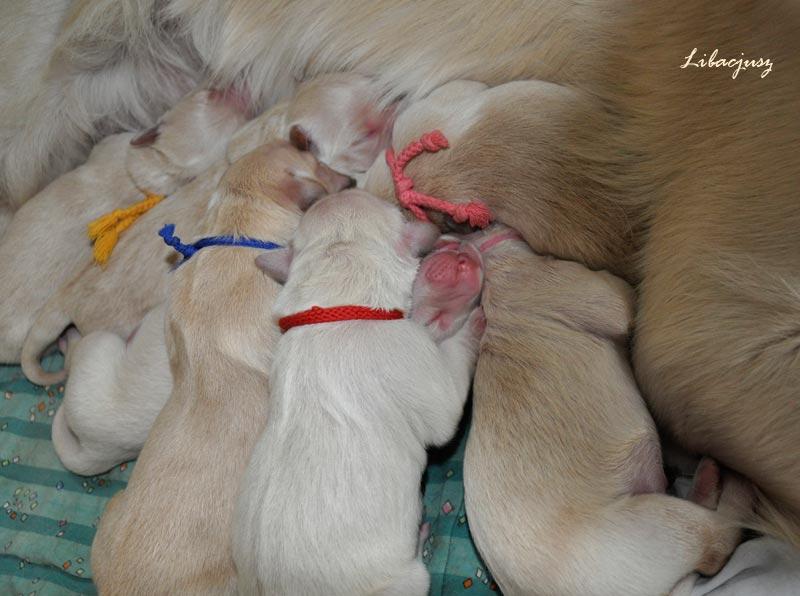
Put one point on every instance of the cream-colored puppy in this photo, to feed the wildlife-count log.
(164, 533)
(46, 243)
(562, 474)
(116, 297)
(106, 373)
(489, 133)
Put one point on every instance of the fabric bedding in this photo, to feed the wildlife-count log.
(50, 515)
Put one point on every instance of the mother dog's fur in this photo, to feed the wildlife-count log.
(695, 170)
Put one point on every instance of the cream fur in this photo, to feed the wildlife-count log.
(114, 392)
(634, 145)
(46, 244)
(563, 466)
(107, 374)
(193, 135)
(219, 340)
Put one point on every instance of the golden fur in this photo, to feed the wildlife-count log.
(562, 470)
(168, 532)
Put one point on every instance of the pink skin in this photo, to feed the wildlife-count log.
(447, 287)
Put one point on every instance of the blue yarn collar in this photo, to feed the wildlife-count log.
(187, 250)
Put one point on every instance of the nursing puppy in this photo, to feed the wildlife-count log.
(116, 297)
(107, 374)
(161, 534)
(562, 474)
(46, 243)
(488, 133)
(344, 407)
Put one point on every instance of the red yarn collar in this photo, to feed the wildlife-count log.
(332, 314)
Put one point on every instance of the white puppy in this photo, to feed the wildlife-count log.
(330, 502)
(46, 243)
(116, 388)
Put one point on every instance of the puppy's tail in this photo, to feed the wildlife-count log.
(45, 331)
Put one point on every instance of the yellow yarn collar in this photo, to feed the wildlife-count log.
(105, 230)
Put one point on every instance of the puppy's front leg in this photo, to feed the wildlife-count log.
(460, 352)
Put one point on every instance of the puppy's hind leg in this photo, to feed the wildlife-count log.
(115, 392)
(646, 543)
(85, 413)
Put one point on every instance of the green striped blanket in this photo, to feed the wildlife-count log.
(49, 515)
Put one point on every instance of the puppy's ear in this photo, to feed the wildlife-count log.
(147, 138)
(301, 140)
(305, 189)
(379, 125)
(418, 238)
(275, 263)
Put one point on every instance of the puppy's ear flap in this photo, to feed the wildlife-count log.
(382, 123)
(418, 238)
(301, 140)
(146, 138)
(306, 188)
(304, 191)
(275, 263)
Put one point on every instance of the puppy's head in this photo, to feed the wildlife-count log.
(448, 286)
(350, 246)
(187, 140)
(281, 173)
(338, 118)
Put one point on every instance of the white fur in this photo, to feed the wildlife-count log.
(46, 244)
(330, 502)
(321, 108)
(114, 392)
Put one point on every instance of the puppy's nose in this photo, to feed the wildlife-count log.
(351, 182)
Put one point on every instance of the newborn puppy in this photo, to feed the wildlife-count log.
(116, 297)
(106, 373)
(330, 503)
(563, 476)
(46, 243)
(169, 531)
(447, 287)
(313, 121)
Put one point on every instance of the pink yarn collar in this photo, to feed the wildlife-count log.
(475, 212)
